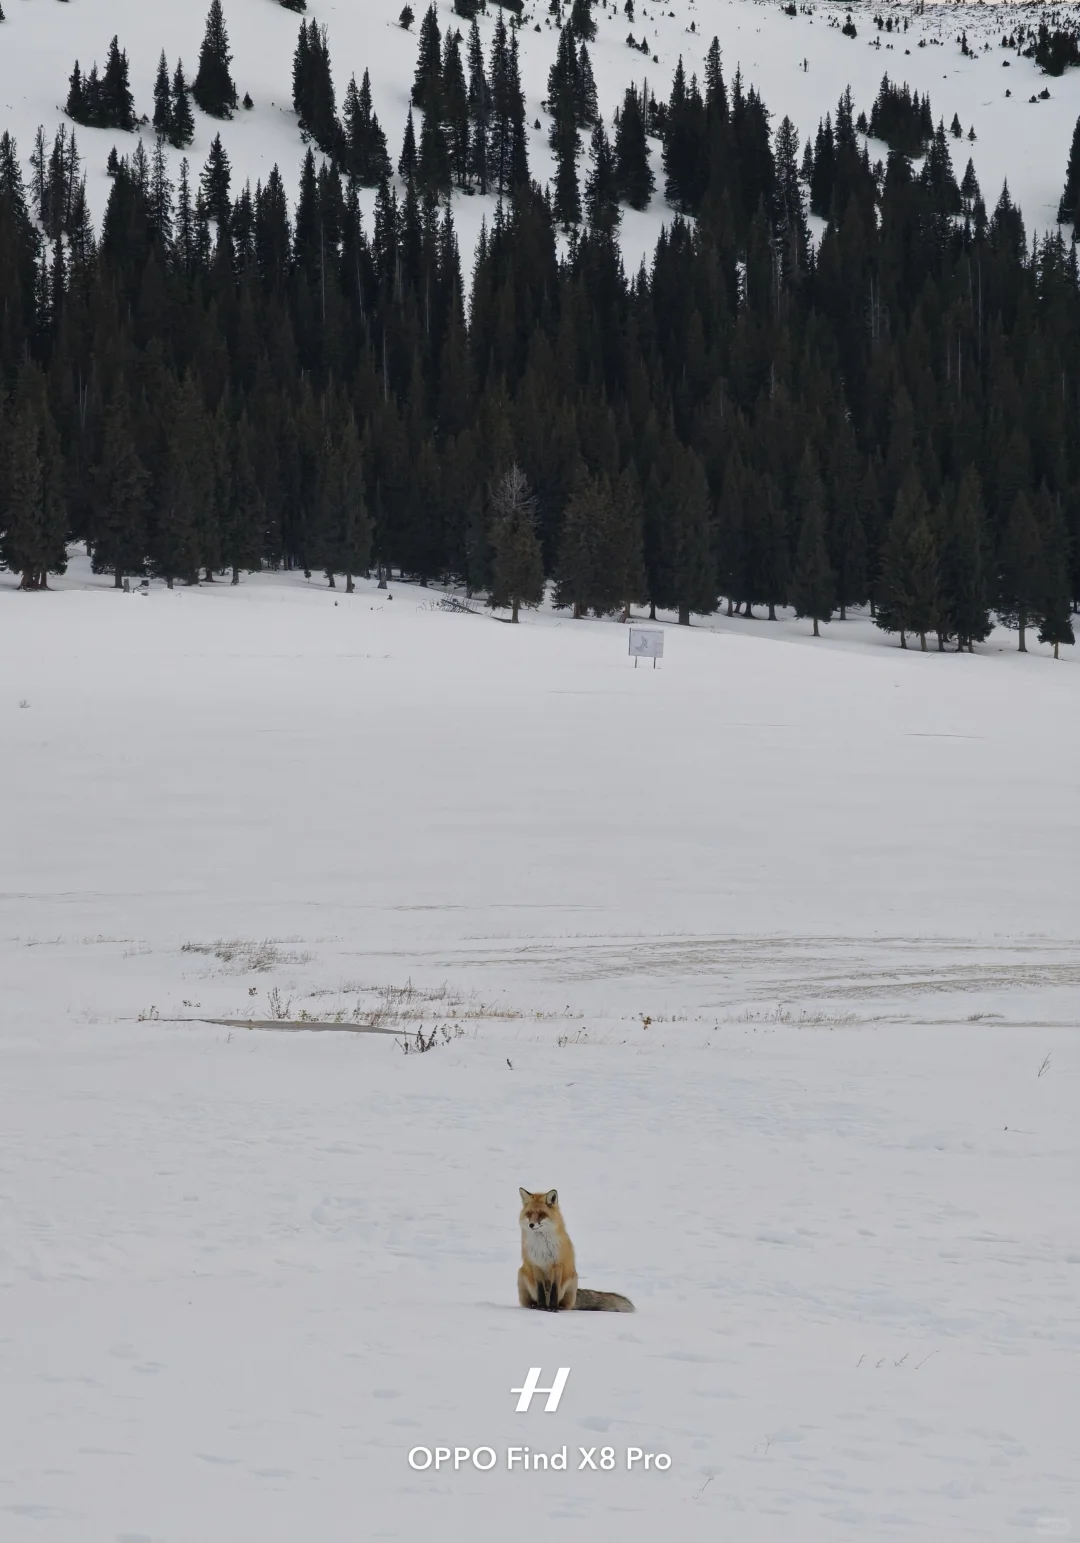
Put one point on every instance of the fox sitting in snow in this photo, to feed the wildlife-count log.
(548, 1275)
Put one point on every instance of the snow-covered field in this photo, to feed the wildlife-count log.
(1025, 143)
(766, 958)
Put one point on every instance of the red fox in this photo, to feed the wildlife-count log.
(548, 1275)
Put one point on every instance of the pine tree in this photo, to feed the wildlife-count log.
(433, 170)
(407, 158)
(581, 22)
(479, 111)
(455, 109)
(507, 161)
(813, 588)
(427, 85)
(1053, 608)
(1069, 205)
(118, 505)
(182, 129)
(185, 491)
(117, 105)
(911, 599)
(215, 183)
(33, 528)
(1021, 570)
(687, 538)
(366, 154)
(963, 567)
(601, 186)
(214, 89)
(633, 170)
(517, 569)
(163, 108)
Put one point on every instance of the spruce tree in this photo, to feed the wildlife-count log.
(633, 170)
(214, 89)
(117, 109)
(1021, 571)
(581, 21)
(1069, 205)
(118, 503)
(687, 537)
(427, 85)
(962, 549)
(479, 111)
(182, 127)
(455, 109)
(407, 159)
(1054, 607)
(601, 186)
(163, 108)
(517, 568)
(366, 156)
(813, 587)
(215, 183)
(33, 526)
(911, 598)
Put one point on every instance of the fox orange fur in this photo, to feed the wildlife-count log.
(548, 1274)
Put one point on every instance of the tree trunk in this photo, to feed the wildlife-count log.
(873, 613)
(817, 634)
(903, 638)
(1023, 631)
(1056, 651)
(684, 616)
(652, 610)
(169, 581)
(209, 577)
(626, 612)
(236, 573)
(578, 612)
(749, 611)
(330, 576)
(922, 641)
(349, 585)
(843, 611)
(772, 611)
(941, 643)
(515, 604)
(118, 579)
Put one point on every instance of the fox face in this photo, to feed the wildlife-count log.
(541, 1226)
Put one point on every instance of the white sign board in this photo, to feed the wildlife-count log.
(646, 643)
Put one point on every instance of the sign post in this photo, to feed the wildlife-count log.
(646, 643)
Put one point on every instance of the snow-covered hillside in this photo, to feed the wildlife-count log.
(1025, 143)
(766, 958)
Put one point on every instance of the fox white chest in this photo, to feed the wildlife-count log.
(541, 1247)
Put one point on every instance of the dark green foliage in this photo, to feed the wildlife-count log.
(581, 21)
(105, 102)
(365, 153)
(215, 182)
(1021, 571)
(427, 86)
(182, 124)
(911, 598)
(602, 185)
(313, 88)
(813, 584)
(213, 89)
(739, 413)
(1069, 206)
(33, 521)
(163, 110)
(902, 118)
(1054, 49)
(517, 576)
(1055, 624)
(118, 506)
(634, 174)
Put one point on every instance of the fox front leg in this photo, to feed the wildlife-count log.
(554, 1291)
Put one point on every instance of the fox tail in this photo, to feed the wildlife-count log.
(602, 1302)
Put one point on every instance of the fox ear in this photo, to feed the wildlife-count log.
(525, 1195)
(552, 1197)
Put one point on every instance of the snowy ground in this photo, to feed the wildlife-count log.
(244, 1272)
(1025, 143)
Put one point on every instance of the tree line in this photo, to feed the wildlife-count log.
(217, 381)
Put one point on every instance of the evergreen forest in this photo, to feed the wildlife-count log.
(218, 380)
